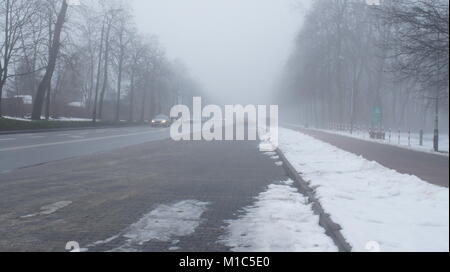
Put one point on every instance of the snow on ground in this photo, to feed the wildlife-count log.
(17, 118)
(279, 221)
(405, 142)
(166, 223)
(371, 202)
(66, 119)
(50, 209)
(71, 119)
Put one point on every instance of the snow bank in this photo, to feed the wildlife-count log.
(371, 202)
(279, 221)
(17, 118)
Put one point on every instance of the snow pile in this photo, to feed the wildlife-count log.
(17, 118)
(269, 140)
(371, 202)
(279, 221)
(70, 119)
(61, 119)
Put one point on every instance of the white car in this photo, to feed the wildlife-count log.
(161, 120)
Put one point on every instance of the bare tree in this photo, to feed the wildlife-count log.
(46, 80)
(17, 14)
(421, 47)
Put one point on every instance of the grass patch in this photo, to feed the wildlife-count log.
(18, 125)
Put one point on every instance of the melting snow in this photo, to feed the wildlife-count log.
(166, 223)
(371, 202)
(279, 221)
(50, 209)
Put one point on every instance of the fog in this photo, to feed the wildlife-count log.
(235, 49)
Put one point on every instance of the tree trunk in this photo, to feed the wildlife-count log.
(119, 85)
(105, 70)
(45, 82)
(99, 68)
(1, 93)
(47, 103)
(130, 118)
(143, 106)
(4, 70)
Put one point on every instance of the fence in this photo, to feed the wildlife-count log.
(410, 138)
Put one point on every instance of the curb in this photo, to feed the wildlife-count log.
(12, 132)
(332, 229)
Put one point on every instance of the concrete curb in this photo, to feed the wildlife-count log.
(332, 229)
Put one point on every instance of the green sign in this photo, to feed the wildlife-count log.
(377, 115)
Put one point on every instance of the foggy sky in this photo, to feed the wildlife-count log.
(235, 49)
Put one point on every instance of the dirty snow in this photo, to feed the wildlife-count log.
(60, 119)
(166, 223)
(50, 209)
(371, 202)
(279, 221)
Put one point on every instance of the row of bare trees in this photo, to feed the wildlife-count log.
(90, 56)
(356, 63)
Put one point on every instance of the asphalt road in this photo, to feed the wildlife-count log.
(99, 196)
(24, 150)
(427, 166)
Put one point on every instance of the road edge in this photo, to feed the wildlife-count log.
(32, 131)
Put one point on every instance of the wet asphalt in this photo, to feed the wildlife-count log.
(111, 190)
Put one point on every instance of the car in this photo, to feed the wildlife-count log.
(161, 120)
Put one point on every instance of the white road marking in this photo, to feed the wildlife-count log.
(76, 141)
(8, 139)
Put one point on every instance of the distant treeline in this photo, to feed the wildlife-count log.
(355, 63)
(89, 56)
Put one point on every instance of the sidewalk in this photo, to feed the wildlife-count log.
(432, 168)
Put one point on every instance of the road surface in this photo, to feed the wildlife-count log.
(97, 198)
(427, 166)
(23, 150)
